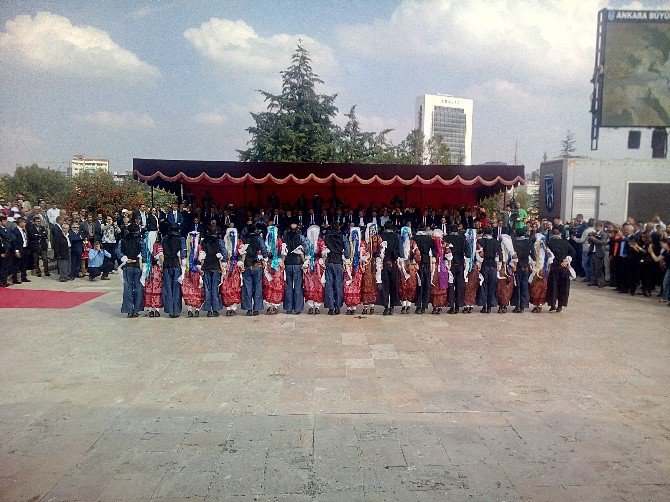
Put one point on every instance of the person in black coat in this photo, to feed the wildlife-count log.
(427, 249)
(61, 248)
(490, 250)
(76, 251)
(389, 297)
(460, 251)
(22, 255)
(558, 285)
(6, 248)
(37, 242)
(523, 251)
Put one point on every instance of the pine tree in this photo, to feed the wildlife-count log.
(297, 126)
(568, 144)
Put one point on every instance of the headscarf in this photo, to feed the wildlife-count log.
(442, 272)
(541, 262)
(354, 246)
(273, 251)
(405, 237)
(230, 241)
(192, 242)
(471, 241)
(507, 249)
(312, 241)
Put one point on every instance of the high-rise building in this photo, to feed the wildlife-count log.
(449, 117)
(80, 164)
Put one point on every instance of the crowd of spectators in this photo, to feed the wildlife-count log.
(626, 257)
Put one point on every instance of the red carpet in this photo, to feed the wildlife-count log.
(42, 299)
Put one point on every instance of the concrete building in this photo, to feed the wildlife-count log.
(120, 177)
(451, 118)
(80, 164)
(605, 189)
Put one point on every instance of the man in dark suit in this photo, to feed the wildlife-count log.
(558, 285)
(175, 216)
(142, 214)
(22, 253)
(6, 250)
(97, 227)
(37, 242)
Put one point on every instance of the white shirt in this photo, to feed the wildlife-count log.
(24, 235)
(52, 214)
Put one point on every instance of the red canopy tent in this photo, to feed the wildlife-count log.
(250, 183)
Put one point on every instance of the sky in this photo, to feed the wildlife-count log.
(177, 79)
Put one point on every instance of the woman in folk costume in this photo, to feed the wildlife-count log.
(153, 286)
(231, 287)
(174, 251)
(369, 286)
(314, 270)
(273, 273)
(191, 281)
(212, 258)
(540, 273)
(130, 253)
(439, 274)
(472, 271)
(353, 274)
(409, 268)
(505, 273)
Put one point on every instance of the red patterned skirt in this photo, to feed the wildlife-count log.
(273, 287)
(352, 291)
(538, 290)
(505, 288)
(369, 286)
(193, 293)
(407, 287)
(311, 284)
(438, 297)
(471, 288)
(231, 289)
(152, 288)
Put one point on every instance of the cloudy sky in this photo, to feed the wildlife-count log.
(177, 78)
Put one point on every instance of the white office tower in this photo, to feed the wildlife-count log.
(449, 117)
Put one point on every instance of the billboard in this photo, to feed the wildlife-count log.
(635, 68)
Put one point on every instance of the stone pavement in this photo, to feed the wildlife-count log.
(555, 407)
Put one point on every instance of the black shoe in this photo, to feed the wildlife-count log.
(25, 279)
(386, 311)
(249, 313)
(129, 316)
(172, 316)
(190, 313)
(559, 309)
(536, 310)
(59, 280)
(297, 312)
(372, 310)
(197, 313)
(215, 313)
(151, 314)
(287, 312)
(317, 311)
(39, 274)
(417, 310)
(337, 311)
(331, 311)
(136, 314)
(210, 314)
(255, 312)
(483, 310)
(227, 313)
(47, 274)
(365, 311)
(552, 309)
(310, 311)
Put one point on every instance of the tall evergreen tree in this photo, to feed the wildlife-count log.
(297, 126)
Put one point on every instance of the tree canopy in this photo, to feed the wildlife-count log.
(298, 126)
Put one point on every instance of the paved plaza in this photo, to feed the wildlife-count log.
(555, 407)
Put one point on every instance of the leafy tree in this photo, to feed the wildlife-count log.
(438, 152)
(297, 126)
(411, 149)
(36, 182)
(568, 144)
(3, 185)
(99, 192)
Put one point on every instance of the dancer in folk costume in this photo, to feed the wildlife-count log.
(427, 252)
(369, 288)
(523, 251)
(506, 267)
(490, 252)
(213, 256)
(472, 272)
(439, 277)
(231, 287)
(409, 269)
(191, 280)
(254, 253)
(130, 254)
(313, 269)
(540, 273)
(153, 285)
(174, 251)
(296, 247)
(273, 273)
(353, 271)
